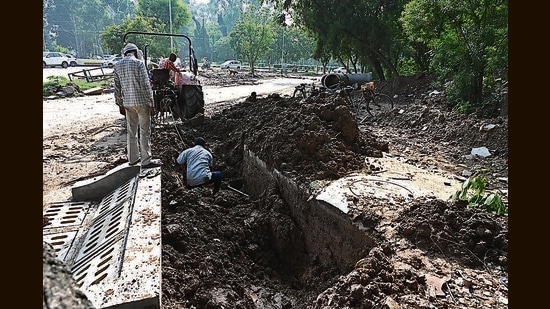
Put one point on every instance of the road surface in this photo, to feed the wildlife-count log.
(72, 113)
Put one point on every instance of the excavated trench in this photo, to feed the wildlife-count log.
(271, 240)
(326, 233)
(267, 240)
(290, 235)
(110, 234)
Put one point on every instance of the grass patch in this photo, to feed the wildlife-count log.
(55, 84)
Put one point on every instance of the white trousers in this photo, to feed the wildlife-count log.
(138, 119)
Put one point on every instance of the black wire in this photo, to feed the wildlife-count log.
(382, 180)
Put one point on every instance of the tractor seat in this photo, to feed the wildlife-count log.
(160, 77)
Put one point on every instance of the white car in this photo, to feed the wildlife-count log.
(72, 60)
(231, 64)
(341, 70)
(110, 63)
(53, 59)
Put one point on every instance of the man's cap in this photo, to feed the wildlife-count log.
(128, 47)
(200, 141)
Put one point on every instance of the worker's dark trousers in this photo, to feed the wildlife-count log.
(217, 178)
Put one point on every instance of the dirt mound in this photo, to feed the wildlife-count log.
(234, 252)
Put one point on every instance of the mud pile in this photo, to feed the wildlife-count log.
(235, 251)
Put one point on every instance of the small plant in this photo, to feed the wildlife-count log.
(53, 84)
(463, 107)
(473, 191)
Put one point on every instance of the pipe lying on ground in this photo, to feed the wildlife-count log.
(332, 80)
(240, 192)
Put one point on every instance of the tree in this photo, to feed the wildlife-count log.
(151, 16)
(352, 30)
(468, 41)
(74, 25)
(228, 13)
(298, 43)
(112, 35)
(322, 54)
(252, 36)
(174, 15)
(223, 49)
(201, 39)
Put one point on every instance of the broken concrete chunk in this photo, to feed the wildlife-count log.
(487, 127)
(481, 151)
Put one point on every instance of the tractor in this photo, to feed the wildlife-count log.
(180, 101)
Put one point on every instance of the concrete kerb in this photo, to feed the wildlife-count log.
(96, 188)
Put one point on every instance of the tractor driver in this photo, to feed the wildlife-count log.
(168, 63)
(175, 72)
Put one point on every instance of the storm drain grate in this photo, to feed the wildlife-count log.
(66, 218)
(91, 240)
(112, 244)
(102, 250)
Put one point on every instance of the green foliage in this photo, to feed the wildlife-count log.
(179, 10)
(463, 42)
(473, 191)
(157, 45)
(76, 25)
(364, 34)
(201, 40)
(252, 36)
(467, 41)
(463, 107)
(223, 48)
(408, 67)
(83, 85)
(53, 83)
(298, 44)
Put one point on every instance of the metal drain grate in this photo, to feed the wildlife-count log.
(66, 220)
(100, 255)
(91, 238)
(112, 244)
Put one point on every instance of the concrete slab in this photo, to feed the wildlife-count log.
(138, 284)
(394, 179)
(113, 246)
(96, 188)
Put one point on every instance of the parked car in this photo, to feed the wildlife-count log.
(53, 59)
(110, 63)
(231, 64)
(72, 60)
(341, 70)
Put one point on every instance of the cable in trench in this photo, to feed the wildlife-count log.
(176, 128)
(381, 180)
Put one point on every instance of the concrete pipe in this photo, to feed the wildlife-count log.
(332, 80)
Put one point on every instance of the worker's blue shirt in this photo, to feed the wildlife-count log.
(199, 162)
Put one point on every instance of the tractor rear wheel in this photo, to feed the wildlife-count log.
(192, 100)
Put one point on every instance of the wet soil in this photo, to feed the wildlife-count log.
(234, 250)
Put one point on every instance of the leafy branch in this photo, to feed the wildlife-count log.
(473, 191)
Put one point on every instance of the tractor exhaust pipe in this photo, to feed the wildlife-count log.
(332, 80)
